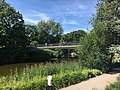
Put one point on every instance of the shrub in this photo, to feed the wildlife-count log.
(93, 53)
(114, 86)
(34, 43)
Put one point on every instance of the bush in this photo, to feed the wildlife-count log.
(93, 53)
(57, 53)
(114, 86)
(34, 43)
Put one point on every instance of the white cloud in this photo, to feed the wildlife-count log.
(40, 15)
(70, 22)
(34, 17)
(66, 32)
(74, 7)
(82, 7)
(31, 20)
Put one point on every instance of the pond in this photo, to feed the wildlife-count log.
(6, 69)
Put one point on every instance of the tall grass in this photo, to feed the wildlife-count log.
(38, 73)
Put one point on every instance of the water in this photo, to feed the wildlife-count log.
(6, 69)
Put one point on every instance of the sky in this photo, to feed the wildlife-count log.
(72, 14)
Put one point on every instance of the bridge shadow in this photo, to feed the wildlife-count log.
(36, 55)
(45, 55)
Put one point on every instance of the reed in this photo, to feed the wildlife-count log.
(35, 76)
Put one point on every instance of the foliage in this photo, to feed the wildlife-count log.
(33, 54)
(49, 31)
(57, 53)
(34, 43)
(12, 32)
(112, 18)
(91, 54)
(64, 74)
(31, 33)
(114, 86)
(73, 37)
(94, 52)
(62, 53)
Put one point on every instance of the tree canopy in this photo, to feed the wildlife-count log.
(73, 37)
(94, 52)
(12, 31)
(49, 31)
(31, 33)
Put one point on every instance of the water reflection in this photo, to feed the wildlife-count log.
(6, 69)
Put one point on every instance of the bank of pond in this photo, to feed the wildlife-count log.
(34, 77)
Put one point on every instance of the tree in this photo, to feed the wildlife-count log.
(94, 52)
(112, 18)
(73, 37)
(49, 31)
(31, 33)
(12, 32)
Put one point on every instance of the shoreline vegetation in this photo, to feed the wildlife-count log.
(64, 74)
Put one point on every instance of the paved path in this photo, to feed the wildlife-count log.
(96, 83)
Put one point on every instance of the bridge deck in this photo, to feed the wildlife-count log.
(62, 47)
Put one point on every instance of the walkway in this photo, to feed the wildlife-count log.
(96, 83)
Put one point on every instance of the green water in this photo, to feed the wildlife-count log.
(6, 69)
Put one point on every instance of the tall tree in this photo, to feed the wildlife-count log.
(73, 37)
(12, 32)
(50, 31)
(94, 52)
(31, 33)
(112, 18)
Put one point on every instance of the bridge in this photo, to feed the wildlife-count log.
(62, 47)
(58, 45)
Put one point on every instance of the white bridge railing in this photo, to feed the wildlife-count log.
(57, 45)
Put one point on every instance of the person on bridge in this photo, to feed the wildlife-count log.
(45, 44)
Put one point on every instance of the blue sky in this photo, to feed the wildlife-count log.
(72, 14)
